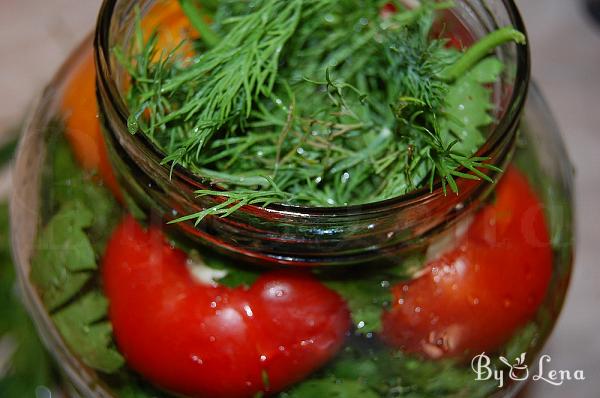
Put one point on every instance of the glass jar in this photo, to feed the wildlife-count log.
(409, 290)
(289, 234)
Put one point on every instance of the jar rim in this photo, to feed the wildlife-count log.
(504, 126)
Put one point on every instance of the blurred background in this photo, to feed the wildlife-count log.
(36, 36)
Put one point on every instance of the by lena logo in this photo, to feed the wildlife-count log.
(519, 370)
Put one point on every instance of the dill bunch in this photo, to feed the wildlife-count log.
(315, 102)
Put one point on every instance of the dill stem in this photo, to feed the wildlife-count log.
(197, 18)
(479, 50)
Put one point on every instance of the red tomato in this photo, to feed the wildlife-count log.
(447, 26)
(213, 341)
(473, 298)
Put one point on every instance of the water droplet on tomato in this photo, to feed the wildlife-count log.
(248, 311)
(197, 360)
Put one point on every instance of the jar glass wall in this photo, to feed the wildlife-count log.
(397, 316)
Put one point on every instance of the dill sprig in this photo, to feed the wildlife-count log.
(315, 102)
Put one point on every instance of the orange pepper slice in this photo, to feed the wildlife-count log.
(171, 25)
(82, 126)
(79, 100)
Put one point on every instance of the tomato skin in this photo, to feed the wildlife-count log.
(473, 298)
(213, 341)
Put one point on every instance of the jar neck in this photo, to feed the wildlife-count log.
(301, 236)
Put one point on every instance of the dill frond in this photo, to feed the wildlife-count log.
(316, 102)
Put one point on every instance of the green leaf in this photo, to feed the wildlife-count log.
(27, 365)
(127, 384)
(137, 391)
(468, 106)
(395, 374)
(90, 338)
(523, 341)
(68, 182)
(369, 294)
(332, 388)
(66, 252)
(63, 255)
(366, 298)
(239, 277)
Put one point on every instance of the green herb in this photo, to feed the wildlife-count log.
(365, 368)
(315, 102)
(87, 335)
(367, 292)
(558, 202)
(524, 340)
(198, 17)
(67, 182)
(330, 387)
(467, 100)
(221, 86)
(131, 390)
(480, 50)
(367, 297)
(26, 366)
(380, 373)
(64, 257)
(64, 262)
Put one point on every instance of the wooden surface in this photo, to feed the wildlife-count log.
(36, 35)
